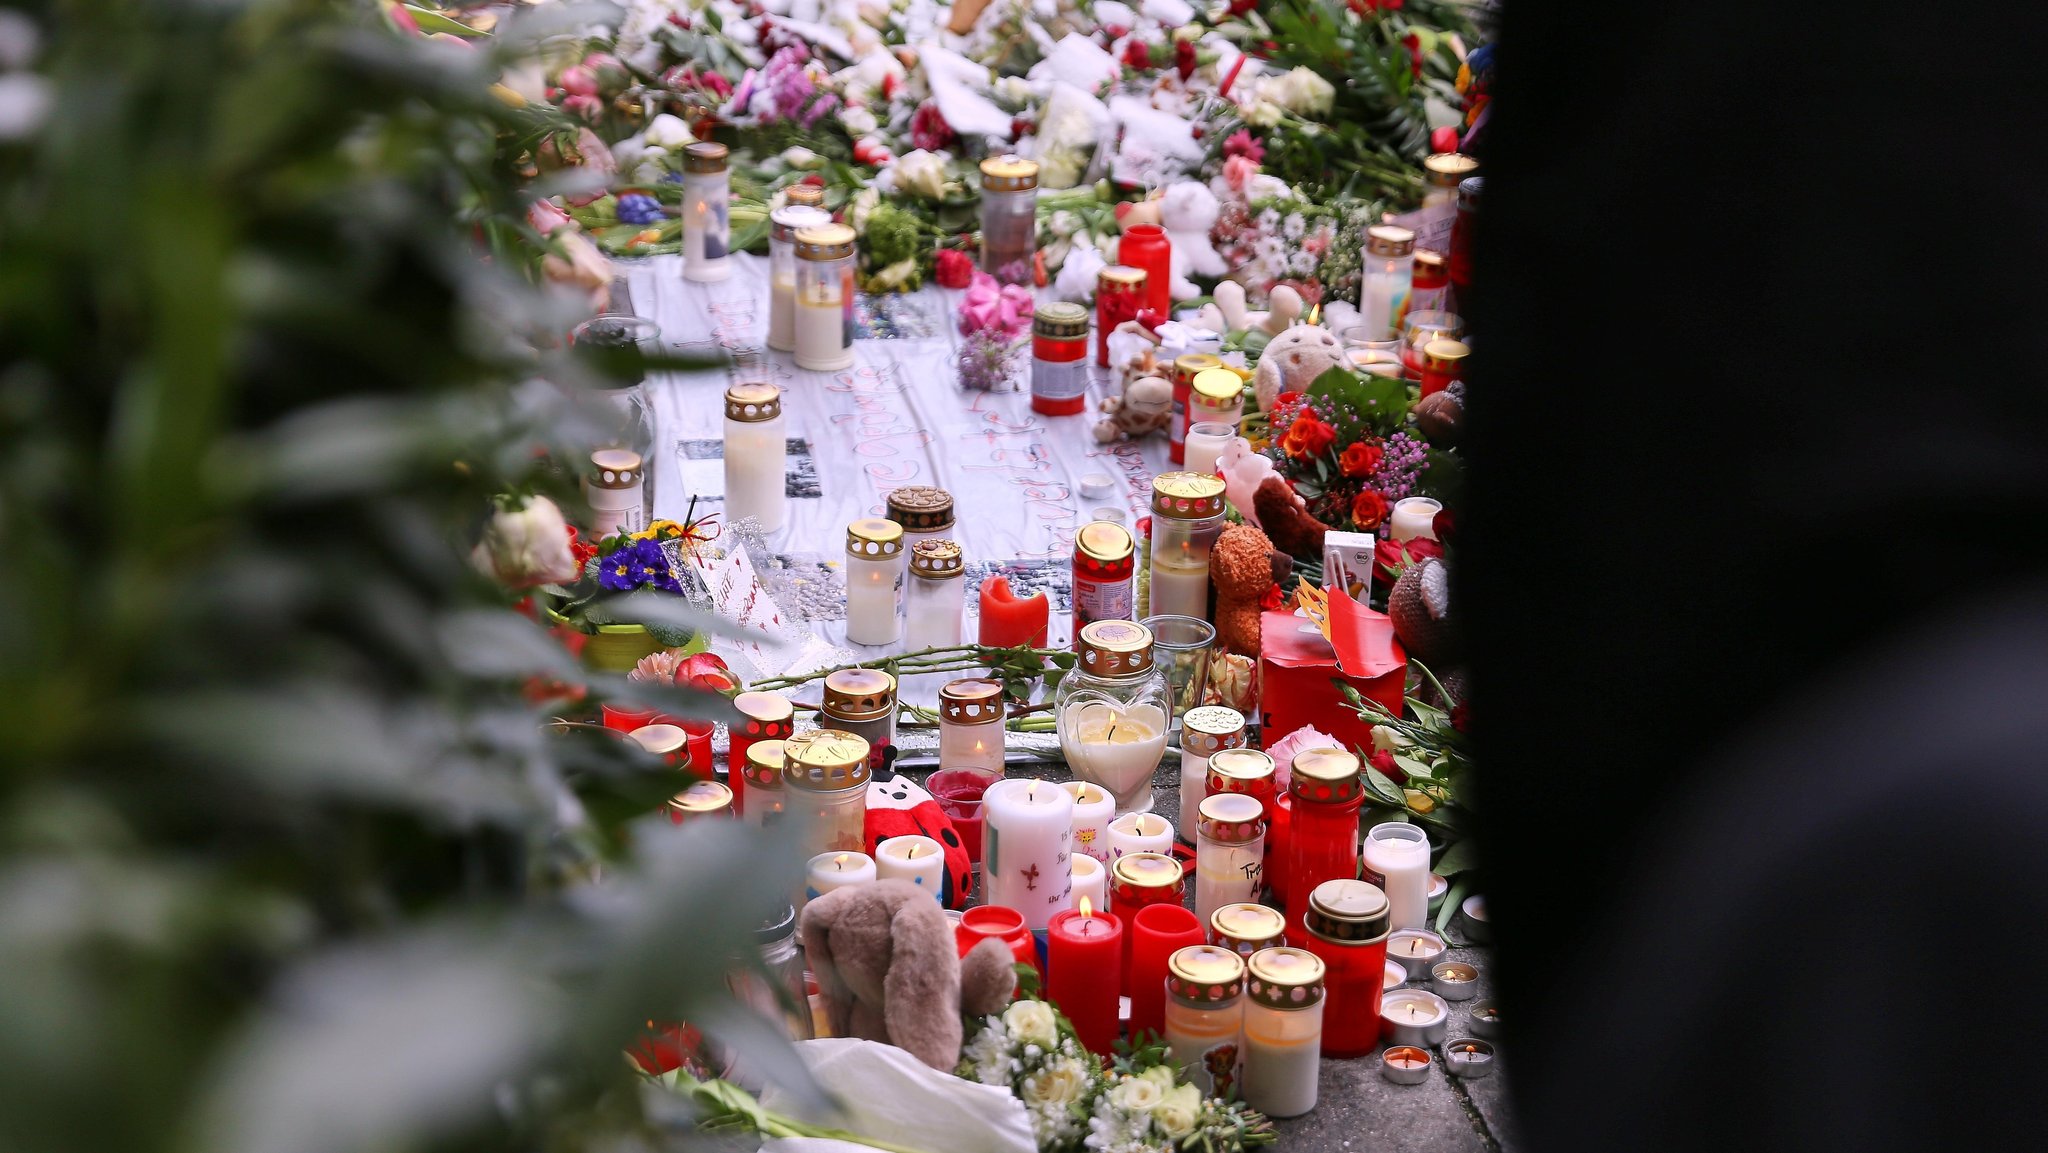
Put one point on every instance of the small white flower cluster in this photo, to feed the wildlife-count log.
(1051, 1073)
(1144, 1112)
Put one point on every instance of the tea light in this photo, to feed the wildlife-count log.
(1477, 926)
(1093, 810)
(1485, 1019)
(828, 872)
(1414, 1017)
(1091, 881)
(1097, 486)
(1438, 887)
(919, 860)
(1468, 1058)
(1396, 976)
(1454, 980)
(1414, 516)
(1415, 950)
(1405, 1065)
(1140, 833)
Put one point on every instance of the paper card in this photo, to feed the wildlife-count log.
(738, 595)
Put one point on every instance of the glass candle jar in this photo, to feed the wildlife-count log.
(1246, 928)
(1105, 575)
(1119, 295)
(1205, 1016)
(1442, 172)
(1112, 713)
(769, 717)
(762, 774)
(1146, 247)
(1347, 928)
(1206, 441)
(1009, 218)
(701, 799)
(1230, 853)
(1204, 731)
(1182, 646)
(774, 989)
(971, 713)
(1462, 228)
(756, 456)
(1135, 881)
(1322, 834)
(1396, 858)
(824, 297)
(1186, 368)
(862, 702)
(925, 512)
(1389, 258)
(1059, 358)
(825, 785)
(1420, 329)
(874, 582)
(613, 489)
(1443, 361)
(1187, 517)
(1431, 286)
(1215, 396)
(624, 343)
(1283, 1031)
(1247, 771)
(938, 591)
(707, 200)
(783, 225)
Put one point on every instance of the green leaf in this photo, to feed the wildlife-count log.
(1359, 405)
(1459, 858)
(1449, 908)
(1384, 787)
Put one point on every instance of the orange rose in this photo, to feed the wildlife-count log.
(1368, 509)
(1359, 459)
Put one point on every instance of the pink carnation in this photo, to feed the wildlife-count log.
(1238, 172)
(1002, 309)
(1243, 143)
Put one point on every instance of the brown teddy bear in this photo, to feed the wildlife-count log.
(1144, 408)
(1289, 525)
(889, 970)
(1240, 570)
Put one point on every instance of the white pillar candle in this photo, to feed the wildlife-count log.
(1397, 860)
(1090, 880)
(1093, 808)
(707, 196)
(756, 455)
(836, 870)
(1140, 833)
(1414, 516)
(1027, 838)
(1230, 852)
(874, 582)
(1180, 590)
(1115, 747)
(1206, 442)
(919, 860)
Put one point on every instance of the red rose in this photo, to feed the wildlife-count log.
(1414, 44)
(1391, 556)
(1444, 139)
(1319, 436)
(706, 671)
(1444, 526)
(1368, 509)
(1359, 459)
(953, 268)
(1184, 58)
(1285, 399)
(1383, 760)
(1136, 55)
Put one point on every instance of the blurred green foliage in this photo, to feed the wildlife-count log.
(288, 861)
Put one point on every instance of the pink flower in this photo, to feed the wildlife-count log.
(1243, 143)
(1300, 740)
(546, 216)
(1238, 171)
(578, 80)
(582, 107)
(1002, 309)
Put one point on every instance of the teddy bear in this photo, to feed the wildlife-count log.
(1292, 361)
(898, 807)
(1144, 408)
(1286, 520)
(1241, 572)
(889, 970)
(1283, 307)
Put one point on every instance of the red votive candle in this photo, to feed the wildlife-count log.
(1158, 932)
(995, 922)
(1277, 863)
(1084, 949)
(1322, 838)
(626, 720)
(1137, 880)
(698, 757)
(959, 793)
(769, 717)
(1008, 620)
(1347, 928)
(1147, 247)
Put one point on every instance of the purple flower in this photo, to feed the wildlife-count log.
(617, 570)
(1401, 464)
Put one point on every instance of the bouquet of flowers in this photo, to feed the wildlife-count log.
(1348, 447)
(653, 559)
(1138, 1105)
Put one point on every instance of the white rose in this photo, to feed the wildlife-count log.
(1301, 92)
(858, 120)
(1176, 1115)
(1136, 1095)
(863, 204)
(527, 546)
(1261, 113)
(799, 157)
(667, 132)
(1386, 740)
(1032, 1022)
(1060, 1083)
(921, 174)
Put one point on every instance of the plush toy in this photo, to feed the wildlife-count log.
(1284, 307)
(1293, 360)
(1188, 211)
(1144, 408)
(1244, 471)
(889, 970)
(1286, 520)
(1240, 570)
(1419, 607)
(897, 807)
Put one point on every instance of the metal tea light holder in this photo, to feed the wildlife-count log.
(1454, 980)
(1405, 1064)
(1414, 1017)
(1469, 1058)
(1485, 1020)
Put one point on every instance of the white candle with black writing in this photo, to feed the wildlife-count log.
(1230, 852)
(1027, 842)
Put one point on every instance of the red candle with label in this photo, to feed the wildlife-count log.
(1105, 568)
(1059, 358)
(1137, 880)
(1159, 931)
(769, 717)
(1008, 620)
(1146, 247)
(1119, 295)
(958, 793)
(1084, 950)
(1322, 840)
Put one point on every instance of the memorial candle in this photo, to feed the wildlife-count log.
(1160, 931)
(762, 772)
(874, 581)
(785, 223)
(1187, 517)
(1093, 811)
(1397, 860)
(1347, 929)
(769, 717)
(971, 713)
(919, 860)
(1414, 516)
(1283, 1031)
(831, 871)
(1008, 620)
(707, 196)
(701, 799)
(1084, 949)
(824, 298)
(1230, 851)
(1322, 843)
(756, 456)
(1140, 833)
(1204, 731)
(959, 794)
(931, 610)
(1137, 881)
(1027, 837)
(1205, 1015)
(1091, 881)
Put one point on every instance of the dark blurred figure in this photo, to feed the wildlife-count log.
(1756, 573)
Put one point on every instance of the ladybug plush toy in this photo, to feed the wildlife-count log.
(898, 807)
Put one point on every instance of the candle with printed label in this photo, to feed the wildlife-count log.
(1094, 809)
(1027, 839)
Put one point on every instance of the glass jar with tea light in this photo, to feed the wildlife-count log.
(1322, 835)
(1205, 1015)
(875, 565)
(1009, 218)
(1347, 928)
(1204, 731)
(766, 717)
(1283, 1031)
(784, 223)
(1230, 852)
(1206, 441)
(756, 456)
(1443, 361)
(1431, 289)
(1245, 928)
(862, 703)
(1389, 265)
(1112, 713)
(1119, 296)
(924, 511)
(1442, 173)
(1215, 396)
(938, 593)
(1186, 368)
(701, 799)
(971, 715)
(1105, 572)
(1059, 358)
(1182, 647)
(626, 414)
(776, 988)
(1420, 328)
(1187, 517)
(825, 784)
(1413, 516)
(762, 774)
(824, 298)
(707, 205)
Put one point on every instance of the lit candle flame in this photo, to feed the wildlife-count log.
(1315, 314)
(1087, 910)
(839, 862)
(911, 851)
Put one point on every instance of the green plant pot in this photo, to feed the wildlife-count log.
(617, 648)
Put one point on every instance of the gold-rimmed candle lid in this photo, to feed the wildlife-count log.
(1204, 975)
(1144, 878)
(763, 769)
(1246, 927)
(615, 468)
(859, 694)
(972, 701)
(701, 799)
(921, 508)
(804, 195)
(1347, 911)
(1121, 275)
(1324, 776)
(770, 716)
(826, 761)
(793, 218)
(1432, 260)
(1189, 365)
(937, 559)
(1105, 541)
(753, 402)
(874, 538)
(662, 740)
(1216, 388)
(1060, 320)
(1284, 978)
(1444, 355)
(704, 156)
(1115, 648)
(1209, 729)
(1449, 169)
(1008, 174)
(1187, 495)
(1389, 240)
(1239, 771)
(1231, 818)
(825, 242)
